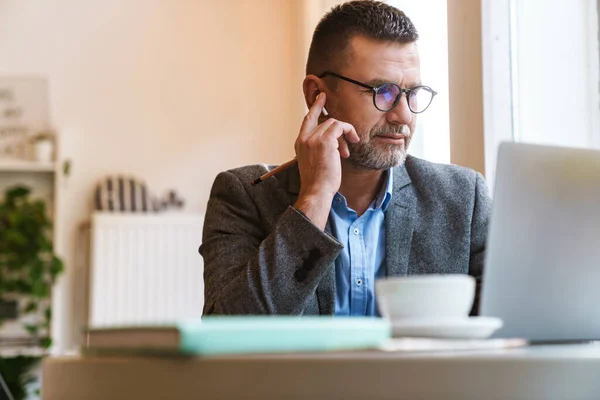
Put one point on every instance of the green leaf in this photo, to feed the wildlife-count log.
(31, 307)
(57, 267)
(21, 286)
(15, 238)
(46, 342)
(44, 244)
(40, 289)
(16, 192)
(32, 329)
(36, 271)
(67, 167)
(15, 218)
(28, 265)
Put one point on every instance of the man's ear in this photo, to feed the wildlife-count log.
(311, 86)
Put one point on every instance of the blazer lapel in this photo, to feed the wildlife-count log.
(399, 220)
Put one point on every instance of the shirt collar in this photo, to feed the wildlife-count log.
(385, 195)
(382, 199)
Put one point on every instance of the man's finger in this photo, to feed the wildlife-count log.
(345, 129)
(311, 120)
(322, 128)
(343, 147)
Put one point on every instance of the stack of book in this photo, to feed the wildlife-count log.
(247, 335)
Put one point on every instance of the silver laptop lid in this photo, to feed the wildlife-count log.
(542, 268)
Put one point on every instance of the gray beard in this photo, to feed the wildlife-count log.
(368, 155)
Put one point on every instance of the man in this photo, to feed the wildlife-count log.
(313, 238)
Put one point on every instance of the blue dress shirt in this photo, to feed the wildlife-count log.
(363, 257)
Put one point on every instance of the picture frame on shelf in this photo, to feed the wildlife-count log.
(24, 112)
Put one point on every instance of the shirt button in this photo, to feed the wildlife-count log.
(339, 199)
(358, 282)
(356, 231)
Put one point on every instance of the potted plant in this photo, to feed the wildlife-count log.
(43, 146)
(28, 270)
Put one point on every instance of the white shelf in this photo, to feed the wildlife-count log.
(26, 166)
(23, 351)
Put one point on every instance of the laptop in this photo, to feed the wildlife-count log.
(542, 266)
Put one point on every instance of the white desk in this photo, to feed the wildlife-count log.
(550, 372)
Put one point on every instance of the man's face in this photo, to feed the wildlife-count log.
(385, 136)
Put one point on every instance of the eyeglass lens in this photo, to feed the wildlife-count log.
(388, 95)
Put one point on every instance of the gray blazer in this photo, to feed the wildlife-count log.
(261, 256)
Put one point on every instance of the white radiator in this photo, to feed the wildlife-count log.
(145, 269)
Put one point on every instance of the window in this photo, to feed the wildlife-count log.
(432, 138)
(541, 74)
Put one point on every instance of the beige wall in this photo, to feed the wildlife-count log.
(465, 81)
(171, 91)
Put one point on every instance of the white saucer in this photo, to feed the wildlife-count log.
(455, 328)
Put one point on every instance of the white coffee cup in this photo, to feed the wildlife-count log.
(425, 296)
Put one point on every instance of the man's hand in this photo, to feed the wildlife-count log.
(318, 149)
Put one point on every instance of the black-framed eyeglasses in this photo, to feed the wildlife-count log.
(388, 95)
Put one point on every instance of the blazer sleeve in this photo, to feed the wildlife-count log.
(479, 227)
(250, 271)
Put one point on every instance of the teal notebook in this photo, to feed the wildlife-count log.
(243, 335)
